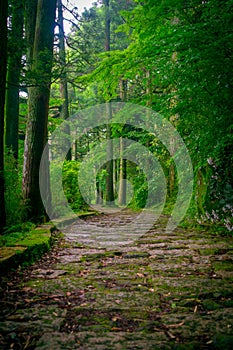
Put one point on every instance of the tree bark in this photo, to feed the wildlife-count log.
(13, 77)
(64, 113)
(30, 9)
(123, 162)
(3, 68)
(36, 134)
(109, 164)
(107, 26)
(123, 174)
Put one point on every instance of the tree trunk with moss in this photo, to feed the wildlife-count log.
(13, 77)
(3, 68)
(64, 113)
(38, 104)
(123, 174)
(123, 161)
(109, 165)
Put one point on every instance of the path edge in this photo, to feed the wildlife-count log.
(22, 255)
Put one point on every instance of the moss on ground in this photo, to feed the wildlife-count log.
(225, 265)
(24, 248)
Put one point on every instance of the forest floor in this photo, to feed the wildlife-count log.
(163, 291)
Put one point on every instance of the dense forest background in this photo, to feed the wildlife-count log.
(175, 57)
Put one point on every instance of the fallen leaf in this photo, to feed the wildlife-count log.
(116, 329)
(115, 318)
(28, 289)
(172, 336)
(157, 329)
(83, 304)
(56, 296)
(90, 287)
(140, 275)
(175, 325)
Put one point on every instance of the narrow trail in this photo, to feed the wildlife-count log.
(163, 291)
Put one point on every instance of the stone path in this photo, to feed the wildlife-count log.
(163, 291)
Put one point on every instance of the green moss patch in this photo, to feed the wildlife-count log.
(8, 252)
(225, 265)
(23, 248)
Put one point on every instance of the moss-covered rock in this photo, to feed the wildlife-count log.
(24, 248)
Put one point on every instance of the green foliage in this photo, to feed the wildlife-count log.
(140, 192)
(101, 179)
(71, 186)
(24, 227)
(180, 62)
(13, 192)
(86, 47)
(19, 235)
(70, 170)
(219, 198)
(177, 58)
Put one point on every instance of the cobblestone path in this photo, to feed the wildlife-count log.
(161, 291)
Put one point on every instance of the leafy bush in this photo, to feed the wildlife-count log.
(71, 187)
(70, 170)
(13, 191)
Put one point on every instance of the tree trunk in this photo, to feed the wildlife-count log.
(202, 179)
(107, 26)
(30, 8)
(148, 112)
(109, 165)
(36, 134)
(13, 76)
(172, 172)
(123, 162)
(3, 67)
(123, 174)
(99, 193)
(116, 176)
(171, 179)
(64, 113)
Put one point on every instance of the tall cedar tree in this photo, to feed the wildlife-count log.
(3, 67)
(63, 79)
(38, 104)
(30, 8)
(13, 76)
(109, 165)
(123, 161)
